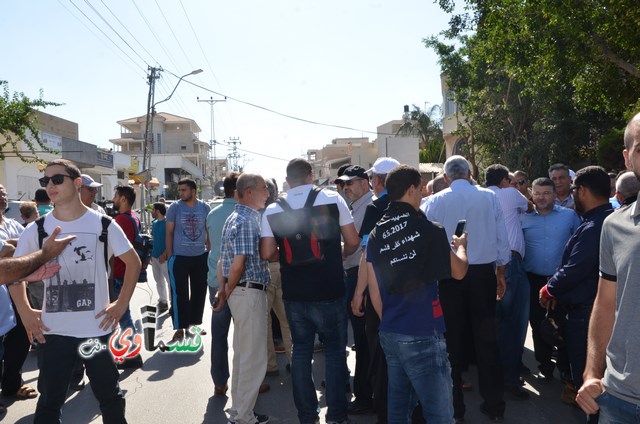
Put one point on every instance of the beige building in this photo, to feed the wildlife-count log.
(60, 135)
(450, 120)
(176, 153)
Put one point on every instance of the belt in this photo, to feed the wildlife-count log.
(250, 285)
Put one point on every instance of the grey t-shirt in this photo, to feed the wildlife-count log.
(620, 262)
(189, 234)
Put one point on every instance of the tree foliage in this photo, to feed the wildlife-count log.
(541, 81)
(18, 124)
(427, 126)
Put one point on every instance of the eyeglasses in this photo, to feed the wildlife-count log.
(56, 179)
(521, 182)
(544, 193)
(350, 182)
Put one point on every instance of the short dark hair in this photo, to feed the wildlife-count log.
(127, 192)
(273, 191)
(558, 167)
(160, 207)
(495, 173)
(595, 179)
(41, 196)
(188, 181)
(298, 170)
(544, 181)
(399, 179)
(229, 184)
(70, 167)
(28, 209)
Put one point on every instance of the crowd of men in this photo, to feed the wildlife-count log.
(431, 278)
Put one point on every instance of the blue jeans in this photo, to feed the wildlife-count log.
(125, 319)
(614, 410)
(329, 320)
(512, 313)
(418, 369)
(56, 359)
(220, 322)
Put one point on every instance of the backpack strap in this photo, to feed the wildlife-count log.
(104, 238)
(136, 238)
(42, 234)
(312, 196)
(309, 203)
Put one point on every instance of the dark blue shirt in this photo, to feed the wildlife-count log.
(576, 280)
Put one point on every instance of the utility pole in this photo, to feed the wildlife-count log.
(212, 142)
(234, 155)
(147, 145)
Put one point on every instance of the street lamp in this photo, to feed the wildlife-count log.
(148, 136)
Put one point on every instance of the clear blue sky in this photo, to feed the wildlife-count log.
(352, 63)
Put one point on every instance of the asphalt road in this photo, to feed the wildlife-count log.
(176, 387)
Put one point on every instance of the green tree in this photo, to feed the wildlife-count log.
(427, 126)
(18, 124)
(541, 81)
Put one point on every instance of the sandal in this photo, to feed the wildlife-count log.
(26, 392)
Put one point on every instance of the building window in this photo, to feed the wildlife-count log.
(158, 143)
(183, 148)
(450, 104)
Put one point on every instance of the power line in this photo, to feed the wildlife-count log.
(99, 39)
(127, 29)
(103, 33)
(308, 121)
(174, 35)
(144, 18)
(113, 29)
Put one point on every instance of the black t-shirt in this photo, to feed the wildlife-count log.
(373, 213)
(407, 250)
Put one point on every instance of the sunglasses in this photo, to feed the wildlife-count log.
(351, 182)
(521, 182)
(56, 179)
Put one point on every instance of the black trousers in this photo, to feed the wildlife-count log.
(474, 299)
(16, 348)
(188, 275)
(377, 362)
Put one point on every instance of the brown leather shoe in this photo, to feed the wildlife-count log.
(264, 387)
(220, 390)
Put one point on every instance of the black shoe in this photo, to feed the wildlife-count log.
(544, 378)
(517, 392)
(524, 370)
(492, 417)
(288, 368)
(358, 408)
(133, 363)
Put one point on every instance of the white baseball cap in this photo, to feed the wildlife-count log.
(87, 181)
(383, 166)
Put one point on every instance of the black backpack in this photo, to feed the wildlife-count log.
(303, 234)
(143, 244)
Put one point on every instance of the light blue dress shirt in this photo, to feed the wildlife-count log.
(487, 240)
(215, 223)
(545, 237)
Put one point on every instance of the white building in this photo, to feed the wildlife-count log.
(176, 153)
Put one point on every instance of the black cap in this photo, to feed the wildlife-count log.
(354, 171)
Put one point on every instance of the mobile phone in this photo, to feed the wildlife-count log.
(460, 227)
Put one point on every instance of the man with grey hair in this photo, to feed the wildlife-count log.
(473, 299)
(627, 187)
(243, 278)
(612, 372)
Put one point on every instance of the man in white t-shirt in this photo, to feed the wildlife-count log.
(313, 289)
(76, 307)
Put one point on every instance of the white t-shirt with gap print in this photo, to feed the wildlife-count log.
(80, 290)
